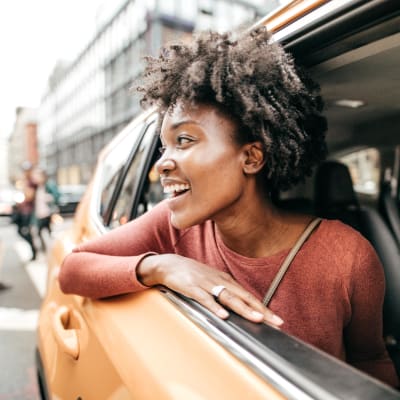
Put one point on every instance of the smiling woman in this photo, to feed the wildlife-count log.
(240, 122)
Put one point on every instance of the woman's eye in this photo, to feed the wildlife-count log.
(183, 140)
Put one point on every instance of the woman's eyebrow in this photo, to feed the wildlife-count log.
(184, 122)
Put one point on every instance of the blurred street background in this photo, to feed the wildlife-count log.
(66, 89)
(23, 285)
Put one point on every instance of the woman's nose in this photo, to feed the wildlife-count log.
(165, 164)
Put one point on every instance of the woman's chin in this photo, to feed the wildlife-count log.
(181, 221)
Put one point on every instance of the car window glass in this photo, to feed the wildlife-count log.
(364, 166)
(152, 192)
(112, 167)
(122, 210)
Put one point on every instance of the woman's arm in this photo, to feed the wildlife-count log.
(99, 275)
(363, 336)
(140, 254)
(106, 266)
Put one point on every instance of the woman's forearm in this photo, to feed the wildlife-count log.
(98, 275)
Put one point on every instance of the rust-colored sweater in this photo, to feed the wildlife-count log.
(330, 297)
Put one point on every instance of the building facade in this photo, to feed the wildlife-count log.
(23, 142)
(91, 99)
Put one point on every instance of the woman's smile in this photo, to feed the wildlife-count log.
(175, 189)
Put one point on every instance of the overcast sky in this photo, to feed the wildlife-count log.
(33, 35)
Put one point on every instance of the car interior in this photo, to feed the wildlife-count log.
(361, 90)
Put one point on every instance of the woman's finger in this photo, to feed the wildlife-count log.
(208, 301)
(235, 303)
(245, 304)
(269, 316)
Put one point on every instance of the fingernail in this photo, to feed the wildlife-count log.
(257, 314)
(222, 313)
(276, 320)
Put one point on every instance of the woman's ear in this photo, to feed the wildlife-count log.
(254, 159)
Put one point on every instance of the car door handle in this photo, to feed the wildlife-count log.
(65, 337)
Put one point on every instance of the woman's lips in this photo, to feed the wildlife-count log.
(176, 199)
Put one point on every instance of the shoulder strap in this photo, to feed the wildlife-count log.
(286, 263)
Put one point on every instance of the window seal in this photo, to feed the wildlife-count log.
(143, 177)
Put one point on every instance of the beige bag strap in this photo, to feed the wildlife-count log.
(286, 263)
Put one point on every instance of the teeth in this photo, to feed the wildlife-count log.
(176, 188)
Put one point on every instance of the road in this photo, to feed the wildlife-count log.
(19, 307)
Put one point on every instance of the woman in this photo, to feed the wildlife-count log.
(239, 123)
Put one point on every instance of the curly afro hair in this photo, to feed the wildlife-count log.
(253, 80)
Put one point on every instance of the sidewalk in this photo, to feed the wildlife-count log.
(37, 269)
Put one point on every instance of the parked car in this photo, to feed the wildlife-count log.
(159, 345)
(69, 197)
(9, 197)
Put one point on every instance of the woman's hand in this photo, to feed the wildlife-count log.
(196, 280)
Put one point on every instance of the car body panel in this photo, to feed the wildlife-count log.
(288, 13)
(166, 352)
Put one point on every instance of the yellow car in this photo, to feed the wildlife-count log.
(160, 345)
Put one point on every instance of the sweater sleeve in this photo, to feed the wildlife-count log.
(363, 336)
(106, 266)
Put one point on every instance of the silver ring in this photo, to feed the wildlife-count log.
(216, 290)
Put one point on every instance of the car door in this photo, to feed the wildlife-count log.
(73, 351)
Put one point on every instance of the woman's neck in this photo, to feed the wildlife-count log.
(261, 230)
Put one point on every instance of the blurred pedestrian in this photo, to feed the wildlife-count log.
(45, 203)
(52, 188)
(24, 211)
(3, 286)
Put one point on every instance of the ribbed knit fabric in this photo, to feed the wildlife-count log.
(331, 296)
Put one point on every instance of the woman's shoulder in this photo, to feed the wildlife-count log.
(338, 230)
(335, 236)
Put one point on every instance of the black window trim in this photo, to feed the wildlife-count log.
(356, 17)
(143, 177)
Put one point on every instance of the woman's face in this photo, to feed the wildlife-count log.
(201, 166)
